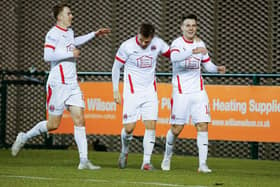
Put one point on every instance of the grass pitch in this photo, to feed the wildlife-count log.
(59, 168)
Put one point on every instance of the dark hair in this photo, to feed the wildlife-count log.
(189, 16)
(58, 8)
(147, 30)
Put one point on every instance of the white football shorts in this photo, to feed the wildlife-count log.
(61, 96)
(195, 105)
(140, 105)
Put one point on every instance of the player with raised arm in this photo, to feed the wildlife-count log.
(139, 55)
(189, 95)
(63, 90)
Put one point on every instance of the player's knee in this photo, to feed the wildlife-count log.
(129, 130)
(129, 127)
(150, 124)
(79, 121)
(53, 122)
(52, 126)
(176, 130)
(79, 124)
(202, 127)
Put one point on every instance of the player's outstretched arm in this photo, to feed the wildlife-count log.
(85, 38)
(102, 32)
(221, 69)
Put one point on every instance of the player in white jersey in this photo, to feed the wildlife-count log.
(139, 55)
(189, 95)
(63, 90)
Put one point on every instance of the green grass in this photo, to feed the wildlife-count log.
(58, 168)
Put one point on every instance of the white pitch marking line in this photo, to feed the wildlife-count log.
(100, 181)
(27, 177)
(164, 184)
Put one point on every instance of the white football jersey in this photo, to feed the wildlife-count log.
(63, 68)
(187, 72)
(139, 64)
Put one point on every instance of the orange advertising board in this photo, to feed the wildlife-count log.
(239, 113)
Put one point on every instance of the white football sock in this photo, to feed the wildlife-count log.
(148, 144)
(81, 141)
(38, 129)
(202, 144)
(125, 139)
(170, 142)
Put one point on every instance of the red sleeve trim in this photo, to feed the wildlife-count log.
(173, 50)
(120, 60)
(206, 60)
(166, 54)
(50, 46)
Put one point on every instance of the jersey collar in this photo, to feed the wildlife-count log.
(137, 42)
(60, 28)
(187, 41)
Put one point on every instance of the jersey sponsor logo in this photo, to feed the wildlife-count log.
(70, 47)
(192, 62)
(144, 62)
